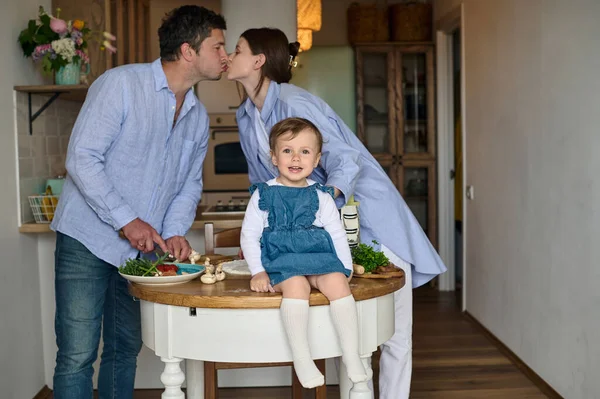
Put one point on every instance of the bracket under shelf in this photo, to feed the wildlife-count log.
(54, 91)
(39, 111)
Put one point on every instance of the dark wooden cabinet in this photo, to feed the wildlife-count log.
(396, 121)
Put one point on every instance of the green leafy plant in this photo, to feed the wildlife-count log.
(142, 267)
(368, 258)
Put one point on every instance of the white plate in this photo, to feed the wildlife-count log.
(236, 268)
(167, 280)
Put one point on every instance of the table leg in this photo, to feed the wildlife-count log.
(344, 381)
(359, 390)
(194, 377)
(172, 378)
(321, 392)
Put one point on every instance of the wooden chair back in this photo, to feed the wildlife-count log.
(227, 239)
(221, 239)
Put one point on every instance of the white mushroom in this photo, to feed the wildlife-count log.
(358, 269)
(208, 278)
(210, 269)
(220, 274)
(194, 257)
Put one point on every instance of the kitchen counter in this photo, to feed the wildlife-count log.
(225, 221)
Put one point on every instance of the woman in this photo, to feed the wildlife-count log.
(262, 63)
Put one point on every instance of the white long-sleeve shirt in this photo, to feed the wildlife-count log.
(256, 220)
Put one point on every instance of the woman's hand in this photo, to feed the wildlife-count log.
(261, 282)
(336, 191)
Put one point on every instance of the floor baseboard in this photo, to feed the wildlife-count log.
(516, 360)
(44, 393)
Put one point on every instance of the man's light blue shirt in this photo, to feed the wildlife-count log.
(127, 160)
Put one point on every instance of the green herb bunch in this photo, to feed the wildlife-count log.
(142, 267)
(368, 258)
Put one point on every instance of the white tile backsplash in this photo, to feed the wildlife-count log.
(25, 168)
(51, 125)
(64, 144)
(52, 145)
(57, 165)
(38, 145)
(65, 125)
(22, 120)
(24, 147)
(41, 167)
(42, 154)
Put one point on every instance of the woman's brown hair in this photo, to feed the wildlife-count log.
(279, 54)
(294, 126)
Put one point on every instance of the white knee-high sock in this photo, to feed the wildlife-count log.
(294, 314)
(345, 320)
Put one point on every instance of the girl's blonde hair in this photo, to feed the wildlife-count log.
(294, 126)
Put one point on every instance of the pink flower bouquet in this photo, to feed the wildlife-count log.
(57, 43)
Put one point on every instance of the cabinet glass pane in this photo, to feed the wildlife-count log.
(416, 193)
(376, 101)
(414, 86)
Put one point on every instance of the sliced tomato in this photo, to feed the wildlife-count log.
(166, 268)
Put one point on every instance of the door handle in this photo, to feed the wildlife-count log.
(470, 192)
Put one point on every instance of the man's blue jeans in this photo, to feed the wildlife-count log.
(90, 292)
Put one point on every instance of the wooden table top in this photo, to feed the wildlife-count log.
(236, 294)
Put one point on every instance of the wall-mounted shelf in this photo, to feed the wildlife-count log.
(76, 93)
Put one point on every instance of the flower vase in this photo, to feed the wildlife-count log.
(69, 74)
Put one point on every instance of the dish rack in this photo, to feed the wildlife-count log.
(43, 207)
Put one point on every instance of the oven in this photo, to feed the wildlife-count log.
(225, 170)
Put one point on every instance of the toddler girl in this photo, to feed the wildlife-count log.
(293, 240)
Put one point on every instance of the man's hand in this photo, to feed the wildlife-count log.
(142, 236)
(261, 282)
(179, 247)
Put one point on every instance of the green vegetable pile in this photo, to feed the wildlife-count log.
(368, 258)
(142, 267)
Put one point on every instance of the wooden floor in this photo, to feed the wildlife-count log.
(451, 359)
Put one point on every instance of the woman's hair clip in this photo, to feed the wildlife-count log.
(293, 63)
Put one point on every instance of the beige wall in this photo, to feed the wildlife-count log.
(20, 320)
(532, 98)
(158, 9)
(442, 7)
(243, 14)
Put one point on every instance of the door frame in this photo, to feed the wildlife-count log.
(444, 28)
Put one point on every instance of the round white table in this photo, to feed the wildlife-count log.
(226, 322)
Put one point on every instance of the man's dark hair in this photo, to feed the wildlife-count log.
(186, 24)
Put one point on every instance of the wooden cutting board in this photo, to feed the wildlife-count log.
(397, 273)
(380, 275)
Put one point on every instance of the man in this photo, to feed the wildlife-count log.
(134, 164)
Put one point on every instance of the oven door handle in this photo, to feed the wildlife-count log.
(214, 132)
